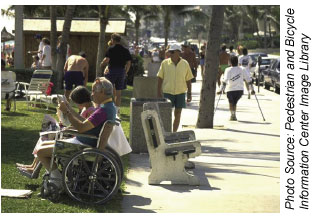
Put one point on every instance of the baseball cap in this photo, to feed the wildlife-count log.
(175, 47)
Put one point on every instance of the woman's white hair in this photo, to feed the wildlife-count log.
(104, 84)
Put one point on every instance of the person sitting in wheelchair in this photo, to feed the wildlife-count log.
(102, 91)
(82, 98)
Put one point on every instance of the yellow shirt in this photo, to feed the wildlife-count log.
(175, 76)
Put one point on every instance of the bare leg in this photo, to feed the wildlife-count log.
(118, 98)
(67, 94)
(44, 156)
(248, 89)
(177, 114)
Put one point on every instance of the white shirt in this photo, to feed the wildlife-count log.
(234, 77)
(245, 61)
(47, 52)
(40, 48)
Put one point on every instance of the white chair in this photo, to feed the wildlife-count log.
(37, 87)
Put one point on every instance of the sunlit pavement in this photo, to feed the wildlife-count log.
(238, 168)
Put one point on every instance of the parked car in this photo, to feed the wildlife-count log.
(272, 76)
(266, 62)
(254, 57)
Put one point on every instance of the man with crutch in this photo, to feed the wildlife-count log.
(234, 78)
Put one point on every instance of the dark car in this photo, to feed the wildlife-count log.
(272, 76)
(265, 63)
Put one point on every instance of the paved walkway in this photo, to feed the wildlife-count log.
(238, 168)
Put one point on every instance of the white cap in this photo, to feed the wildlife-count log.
(175, 47)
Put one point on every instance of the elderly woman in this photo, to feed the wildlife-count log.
(102, 91)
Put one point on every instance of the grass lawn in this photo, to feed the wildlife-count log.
(19, 135)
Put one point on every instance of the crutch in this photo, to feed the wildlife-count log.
(259, 106)
(219, 98)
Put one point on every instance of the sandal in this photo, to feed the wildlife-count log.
(31, 175)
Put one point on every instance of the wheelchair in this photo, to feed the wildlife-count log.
(89, 175)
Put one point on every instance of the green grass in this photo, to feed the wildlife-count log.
(19, 134)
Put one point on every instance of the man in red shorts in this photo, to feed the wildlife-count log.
(76, 72)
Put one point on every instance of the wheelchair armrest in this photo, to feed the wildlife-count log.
(76, 133)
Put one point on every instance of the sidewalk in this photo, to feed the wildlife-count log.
(238, 168)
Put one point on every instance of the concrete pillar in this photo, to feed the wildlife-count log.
(18, 44)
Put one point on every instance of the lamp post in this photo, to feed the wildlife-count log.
(259, 74)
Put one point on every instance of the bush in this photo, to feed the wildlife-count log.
(249, 44)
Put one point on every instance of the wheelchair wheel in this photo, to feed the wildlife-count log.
(49, 190)
(118, 160)
(92, 176)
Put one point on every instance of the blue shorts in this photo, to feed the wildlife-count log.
(178, 101)
(201, 62)
(117, 77)
(73, 78)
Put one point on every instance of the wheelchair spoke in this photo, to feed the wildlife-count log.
(85, 165)
(101, 188)
(104, 168)
(110, 179)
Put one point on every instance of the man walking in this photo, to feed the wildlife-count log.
(246, 62)
(224, 63)
(76, 72)
(174, 79)
(119, 60)
(190, 56)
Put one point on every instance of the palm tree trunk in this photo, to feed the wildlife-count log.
(104, 19)
(53, 35)
(137, 26)
(63, 46)
(167, 24)
(18, 40)
(207, 98)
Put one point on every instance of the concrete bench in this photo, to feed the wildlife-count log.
(169, 152)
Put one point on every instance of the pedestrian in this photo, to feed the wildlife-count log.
(38, 38)
(75, 72)
(246, 62)
(35, 65)
(233, 78)
(174, 79)
(119, 60)
(190, 56)
(202, 56)
(231, 52)
(45, 60)
(224, 63)
(68, 48)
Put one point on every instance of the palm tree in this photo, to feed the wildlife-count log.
(53, 35)
(207, 98)
(63, 46)
(18, 56)
(142, 11)
(104, 14)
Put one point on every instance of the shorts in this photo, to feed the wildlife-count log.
(234, 96)
(117, 77)
(201, 62)
(73, 78)
(178, 101)
(223, 67)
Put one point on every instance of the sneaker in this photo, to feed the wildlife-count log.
(233, 118)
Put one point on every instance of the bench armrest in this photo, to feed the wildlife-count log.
(182, 146)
